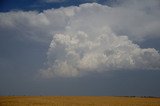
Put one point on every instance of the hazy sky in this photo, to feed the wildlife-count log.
(80, 47)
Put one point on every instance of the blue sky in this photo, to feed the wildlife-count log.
(80, 47)
(40, 5)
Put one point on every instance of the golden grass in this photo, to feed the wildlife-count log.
(77, 101)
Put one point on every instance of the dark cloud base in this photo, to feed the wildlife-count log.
(115, 83)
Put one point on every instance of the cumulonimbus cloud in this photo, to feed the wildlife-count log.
(75, 52)
(91, 37)
(88, 44)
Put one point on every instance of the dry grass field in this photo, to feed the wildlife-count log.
(77, 101)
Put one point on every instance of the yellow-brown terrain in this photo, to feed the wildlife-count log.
(77, 101)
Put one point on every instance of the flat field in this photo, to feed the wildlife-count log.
(77, 101)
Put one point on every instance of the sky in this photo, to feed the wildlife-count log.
(80, 47)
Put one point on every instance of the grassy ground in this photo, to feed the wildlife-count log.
(77, 101)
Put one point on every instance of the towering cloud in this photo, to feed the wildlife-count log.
(88, 44)
(75, 52)
(91, 37)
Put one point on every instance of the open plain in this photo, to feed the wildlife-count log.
(77, 101)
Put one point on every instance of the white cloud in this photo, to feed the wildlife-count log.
(139, 20)
(33, 25)
(91, 37)
(76, 52)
